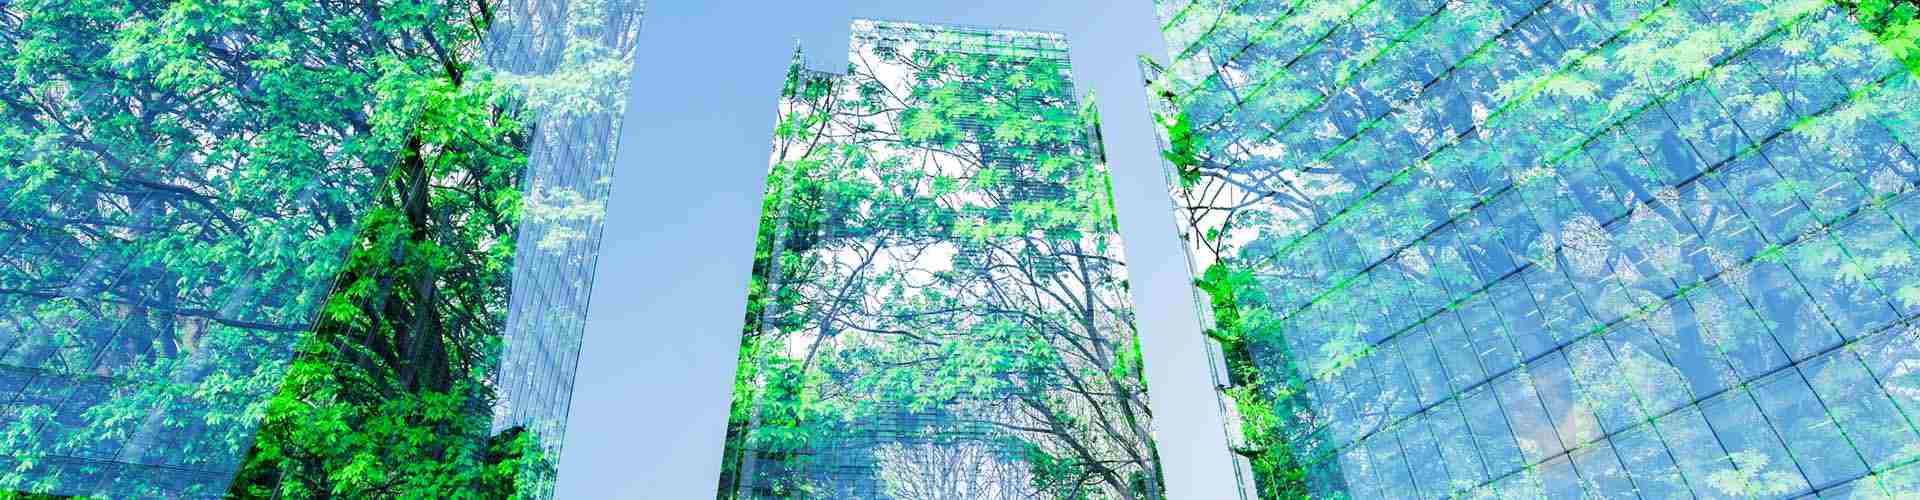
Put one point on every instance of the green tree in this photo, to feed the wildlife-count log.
(186, 179)
(938, 242)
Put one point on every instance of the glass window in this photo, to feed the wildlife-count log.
(1644, 364)
(1457, 449)
(1558, 478)
(1767, 200)
(1562, 312)
(1489, 337)
(1397, 389)
(1906, 211)
(1531, 428)
(1601, 475)
(1894, 358)
(1841, 284)
(1396, 481)
(1524, 483)
(1691, 349)
(1424, 457)
(1695, 447)
(1423, 365)
(1354, 399)
(1737, 331)
(1794, 321)
(1356, 464)
(1808, 430)
(1726, 226)
(1602, 387)
(1571, 417)
(1524, 321)
(1871, 423)
(1652, 468)
(1457, 353)
(1765, 468)
(1490, 431)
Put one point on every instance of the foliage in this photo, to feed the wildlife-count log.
(938, 286)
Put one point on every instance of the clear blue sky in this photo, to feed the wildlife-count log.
(654, 380)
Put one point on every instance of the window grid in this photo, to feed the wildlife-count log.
(1796, 327)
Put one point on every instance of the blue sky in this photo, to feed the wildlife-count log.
(654, 379)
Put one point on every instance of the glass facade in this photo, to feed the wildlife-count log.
(939, 306)
(572, 63)
(1509, 249)
(190, 194)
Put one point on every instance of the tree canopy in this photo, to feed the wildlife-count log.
(939, 304)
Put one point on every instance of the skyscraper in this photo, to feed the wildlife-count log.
(1507, 249)
(251, 248)
(939, 306)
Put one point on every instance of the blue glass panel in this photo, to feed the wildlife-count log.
(1559, 480)
(1423, 365)
(1652, 468)
(1878, 260)
(1613, 397)
(1396, 481)
(1524, 321)
(1357, 465)
(1353, 398)
(1659, 385)
(1488, 335)
(1531, 427)
(1424, 457)
(1490, 431)
(1457, 352)
(1694, 448)
(1572, 420)
(1795, 323)
(1906, 214)
(1454, 437)
(1397, 389)
(1602, 476)
(1725, 224)
(1894, 358)
(1808, 430)
(1564, 315)
(1737, 331)
(1871, 422)
(1766, 199)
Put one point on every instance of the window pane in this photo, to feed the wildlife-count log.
(1573, 420)
(1601, 474)
(1738, 332)
(1693, 445)
(1531, 427)
(1895, 359)
(1652, 468)
(1807, 429)
(1764, 466)
(1423, 456)
(1491, 433)
(1457, 448)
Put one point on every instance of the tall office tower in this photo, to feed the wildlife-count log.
(298, 249)
(939, 305)
(1507, 249)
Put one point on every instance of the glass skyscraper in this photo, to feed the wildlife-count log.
(939, 306)
(228, 230)
(1513, 249)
